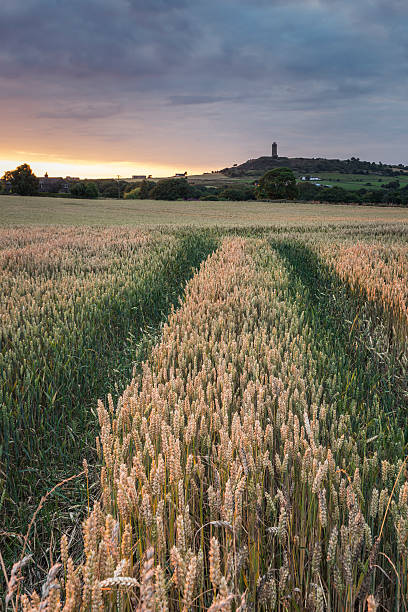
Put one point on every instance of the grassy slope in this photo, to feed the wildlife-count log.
(19, 210)
(359, 181)
(336, 179)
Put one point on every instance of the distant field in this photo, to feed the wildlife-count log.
(359, 181)
(335, 179)
(219, 180)
(53, 211)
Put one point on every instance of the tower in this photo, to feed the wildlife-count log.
(274, 150)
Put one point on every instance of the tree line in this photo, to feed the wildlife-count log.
(390, 193)
(276, 184)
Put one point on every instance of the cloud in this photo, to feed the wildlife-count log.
(225, 46)
(147, 66)
(82, 112)
(85, 39)
(200, 99)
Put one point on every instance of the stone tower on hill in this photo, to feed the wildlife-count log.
(274, 150)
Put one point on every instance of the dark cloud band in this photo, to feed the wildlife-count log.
(114, 59)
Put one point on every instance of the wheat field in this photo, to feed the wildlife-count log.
(257, 457)
(34, 211)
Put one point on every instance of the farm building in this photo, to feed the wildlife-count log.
(55, 184)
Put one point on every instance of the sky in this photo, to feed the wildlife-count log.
(120, 87)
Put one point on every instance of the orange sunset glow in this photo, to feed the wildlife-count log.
(93, 168)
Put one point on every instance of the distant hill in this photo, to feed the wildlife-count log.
(311, 166)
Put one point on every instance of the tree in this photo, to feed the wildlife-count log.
(375, 196)
(146, 187)
(91, 191)
(170, 189)
(308, 191)
(78, 190)
(111, 189)
(133, 194)
(23, 180)
(84, 190)
(237, 194)
(278, 184)
(392, 185)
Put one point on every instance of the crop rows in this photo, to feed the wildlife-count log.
(373, 262)
(251, 465)
(380, 272)
(75, 302)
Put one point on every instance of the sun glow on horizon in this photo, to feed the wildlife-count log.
(84, 169)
